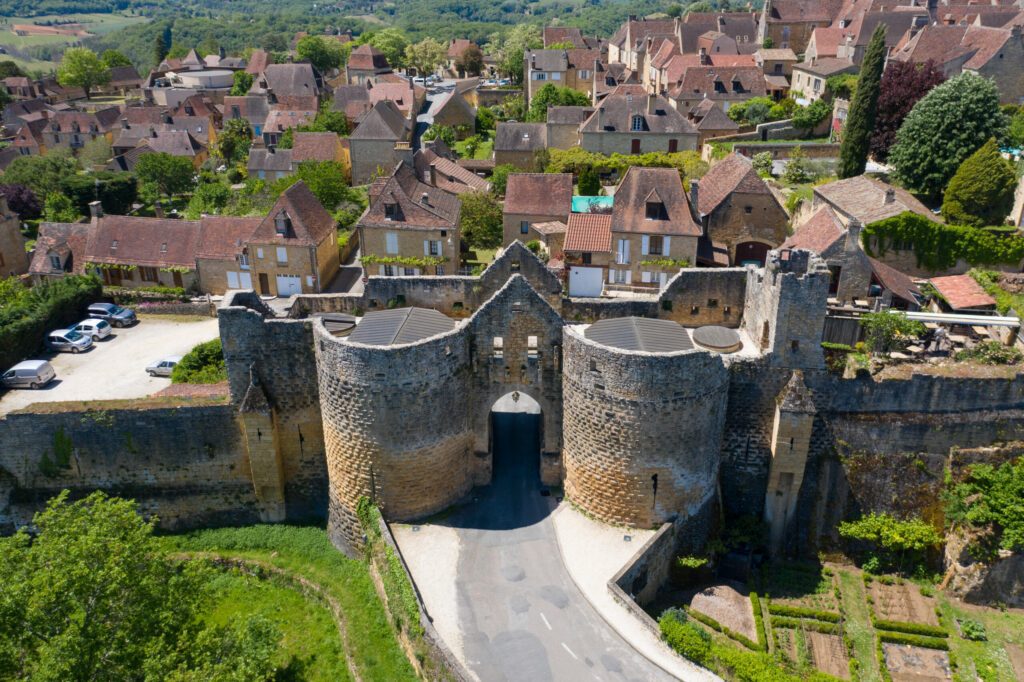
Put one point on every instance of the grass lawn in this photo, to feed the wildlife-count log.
(984, 660)
(484, 151)
(94, 23)
(858, 624)
(310, 647)
(475, 257)
(307, 553)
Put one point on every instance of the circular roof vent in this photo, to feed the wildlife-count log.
(717, 339)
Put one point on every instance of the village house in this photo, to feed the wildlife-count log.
(653, 231)
(222, 253)
(587, 252)
(279, 120)
(123, 80)
(667, 73)
(175, 143)
(285, 81)
(724, 85)
(562, 35)
(631, 121)
(366, 63)
(453, 111)
(409, 227)
(738, 212)
(13, 257)
(532, 198)
(563, 126)
(631, 40)
(253, 108)
(776, 61)
(711, 121)
(442, 172)
(565, 68)
(21, 87)
(456, 48)
(866, 199)
(74, 128)
(59, 251)
(520, 144)
(610, 75)
(128, 251)
(380, 141)
(703, 29)
(270, 163)
(790, 23)
(810, 78)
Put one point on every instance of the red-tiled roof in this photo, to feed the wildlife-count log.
(961, 292)
(900, 284)
(641, 186)
(152, 242)
(735, 173)
(367, 58)
(310, 221)
(224, 237)
(590, 232)
(457, 47)
(314, 147)
(819, 234)
(539, 194)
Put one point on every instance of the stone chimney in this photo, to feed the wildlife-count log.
(433, 175)
(650, 103)
(124, 123)
(600, 119)
(96, 209)
(425, 198)
(221, 53)
(271, 148)
(152, 131)
(168, 119)
(704, 60)
(853, 236)
(890, 196)
(694, 193)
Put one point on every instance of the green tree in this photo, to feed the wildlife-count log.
(890, 330)
(470, 62)
(991, 497)
(92, 595)
(81, 68)
(241, 83)
(554, 96)
(169, 175)
(513, 109)
(798, 168)
(60, 209)
(95, 152)
(895, 538)
(112, 58)
(589, 183)
(810, 117)
(499, 178)
(208, 198)
(204, 364)
(41, 174)
(10, 69)
(949, 124)
(485, 119)
(1015, 132)
(425, 56)
(981, 192)
(512, 51)
(481, 220)
(325, 179)
(234, 140)
(392, 42)
(763, 163)
(324, 54)
(159, 48)
(444, 133)
(853, 152)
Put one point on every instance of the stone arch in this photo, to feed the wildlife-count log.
(751, 250)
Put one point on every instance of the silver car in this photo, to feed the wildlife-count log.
(97, 329)
(68, 340)
(28, 374)
(163, 367)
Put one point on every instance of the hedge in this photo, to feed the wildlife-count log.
(25, 321)
(802, 612)
(805, 624)
(685, 638)
(939, 247)
(913, 640)
(762, 638)
(910, 628)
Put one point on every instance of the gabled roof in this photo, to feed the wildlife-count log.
(420, 206)
(568, 115)
(734, 174)
(901, 285)
(259, 60)
(448, 175)
(827, 66)
(589, 232)
(803, 11)
(287, 80)
(192, 59)
(539, 194)
(452, 104)
(152, 242)
(173, 142)
(124, 75)
(616, 111)
(352, 100)
(314, 147)
(560, 34)
(775, 54)
(384, 121)
(265, 159)
(283, 119)
(740, 26)
(254, 108)
(367, 58)
(520, 137)
(310, 221)
(819, 234)
(224, 237)
(67, 240)
(402, 92)
(961, 292)
(867, 200)
(458, 46)
(713, 118)
(700, 81)
(826, 41)
(629, 213)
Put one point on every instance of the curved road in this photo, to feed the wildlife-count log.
(520, 614)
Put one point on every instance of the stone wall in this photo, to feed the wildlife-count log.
(642, 431)
(185, 464)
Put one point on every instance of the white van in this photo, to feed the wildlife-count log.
(28, 374)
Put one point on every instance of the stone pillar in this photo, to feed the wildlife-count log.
(791, 439)
(261, 442)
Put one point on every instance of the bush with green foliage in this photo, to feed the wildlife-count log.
(842, 85)
(910, 628)
(575, 160)
(890, 330)
(91, 594)
(481, 220)
(204, 364)
(58, 208)
(589, 183)
(26, 315)
(903, 85)
(991, 498)
(166, 174)
(860, 122)
(948, 125)
(444, 133)
(241, 83)
(973, 630)
(325, 179)
(753, 111)
(41, 174)
(799, 169)
(895, 539)
(991, 353)
(80, 67)
(811, 116)
(485, 119)
(913, 640)
(806, 624)
(981, 192)
(499, 178)
(938, 246)
(687, 640)
(763, 163)
(551, 95)
(116, 191)
(802, 612)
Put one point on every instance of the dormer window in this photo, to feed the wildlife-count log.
(189, 111)
(163, 248)
(113, 245)
(637, 123)
(283, 224)
(656, 211)
(719, 86)
(737, 86)
(391, 210)
(55, 262)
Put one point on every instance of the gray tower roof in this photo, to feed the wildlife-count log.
(402, 325)
(640, 333)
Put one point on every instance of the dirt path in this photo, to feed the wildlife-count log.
(1016, 655)
(829, 654)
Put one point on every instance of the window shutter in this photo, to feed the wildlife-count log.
(611, 276)
(645, 277)
(666, 246)
(382, 270)
(426, 247)
(629, 276)
(645, 245)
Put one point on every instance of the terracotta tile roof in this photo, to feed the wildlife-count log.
(827, 41)
(738, 82)
(67, 240)
(152, 242)
(961, 292)
(258, 62)
(617, 109)
(314, 147)
(283, 119)
(352, 100)
(457, 46)
(287, 80)
(520, 137)
(655, 185)
(937, 43)
(734, 174)
(740, 26)
(103, 119)
(591, 232)
(827, 66)
(900, 284)
(402, 188)
(820, 233)
(254, 108)
(173, 142)
(986, 43)
(561, 34)
(865, 199)
(776, 54)
(402, 93)
(224, 237)
(310, 221)
(539, 194)
(448, 175)
(121, 76)
(367, 58)
(803, 11)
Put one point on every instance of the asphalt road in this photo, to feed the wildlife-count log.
(520, 615)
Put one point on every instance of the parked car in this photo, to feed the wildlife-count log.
(97, 329)
(68, 340)
(28, 374)
(163, 367)
(114, 314)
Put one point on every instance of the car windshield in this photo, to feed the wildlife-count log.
(117, 310)
(72, 335)
(101, 325)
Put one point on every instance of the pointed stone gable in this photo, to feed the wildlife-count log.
(796, 397)
(310, 223)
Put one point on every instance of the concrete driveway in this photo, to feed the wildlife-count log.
(493, 579)
(116, 366)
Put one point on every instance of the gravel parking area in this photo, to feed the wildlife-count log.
(115, 368)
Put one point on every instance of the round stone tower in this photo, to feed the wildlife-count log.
(396, 420)
(643, 423)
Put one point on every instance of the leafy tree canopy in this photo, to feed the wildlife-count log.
(112, 58)
(426, 56)
(241, 84)
(41, 174)
(481, 220)
(169, 174)
(60, 209)
(81, 68)
(323, 53)
(471, 61)
(903, 85)
(22, 201)
(981, 192)
(554, 96)
(499, 178)
(991, 497)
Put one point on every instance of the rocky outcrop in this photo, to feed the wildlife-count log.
(999, 581)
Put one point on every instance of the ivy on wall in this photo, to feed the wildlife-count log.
(939, 247)
(410, 261)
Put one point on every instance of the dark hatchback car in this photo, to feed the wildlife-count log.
(114, 314)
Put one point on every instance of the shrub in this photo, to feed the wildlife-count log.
(762, 638)
(805, 624)
(689, 641)
(204, 364)
(802, 612)
(888, 330)
(897, 539)
(981, 191)
(910, 628)
(913, 640)
(989, 497)
(991, 353)
(763, 163)
(973, 630)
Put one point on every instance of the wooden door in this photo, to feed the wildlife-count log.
(264, 284)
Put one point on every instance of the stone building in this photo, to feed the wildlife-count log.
(13, 257)
(520, 145)
(565, 68)
(366, 63)
(631, 121)
(532, 198)
(381, 140)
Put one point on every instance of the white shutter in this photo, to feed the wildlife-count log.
(629, 276)
(664, 278)
(232, 280)
(391, 239)
(426, 247)
(666, 246)
(645, 245)
(611, 276)
(382, 270)
(645, 277)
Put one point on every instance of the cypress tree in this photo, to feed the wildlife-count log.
(860, 123)
(159, 48)
(981, 192)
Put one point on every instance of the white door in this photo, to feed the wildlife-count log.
(288, 285)
(245, 280)
(585, 282)
(232, 280)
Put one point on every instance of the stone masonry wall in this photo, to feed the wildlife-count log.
(187, 465)
(630, 416)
